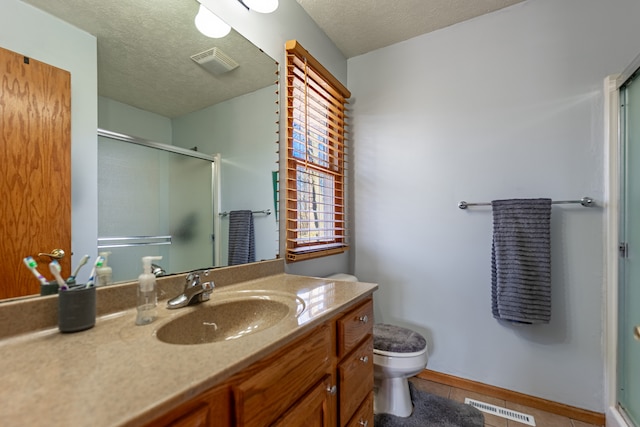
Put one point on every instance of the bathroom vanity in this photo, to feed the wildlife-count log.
(321, 378)
(312, 365)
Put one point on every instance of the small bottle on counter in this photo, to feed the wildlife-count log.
(103, 271)
(147, 296)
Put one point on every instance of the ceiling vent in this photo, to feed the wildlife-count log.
(215, 61)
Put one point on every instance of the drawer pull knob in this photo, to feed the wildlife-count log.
(332, 390)
(363, 319)
(364, 359)
(364, 423)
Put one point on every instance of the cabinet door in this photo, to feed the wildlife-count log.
(277, 382)
(356, 379)
(198, 417)
(210, 409)
(364, 415)
(313, 410)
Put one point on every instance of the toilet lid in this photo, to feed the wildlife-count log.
(395, 339)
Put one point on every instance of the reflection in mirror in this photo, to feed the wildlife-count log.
(150, 88)
(170, 192)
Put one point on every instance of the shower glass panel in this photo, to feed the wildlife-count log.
(153, 202)
(629, 287)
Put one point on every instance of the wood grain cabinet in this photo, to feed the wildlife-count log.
(355, 366)
(322, 379)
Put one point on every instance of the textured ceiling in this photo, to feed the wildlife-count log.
(360, 26)
(144, 54)
(144, 46)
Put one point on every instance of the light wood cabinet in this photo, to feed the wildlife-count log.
(275, 383)
(313, 410)
(211, 408)
(363, 417)
(355, 356)
(323, 379)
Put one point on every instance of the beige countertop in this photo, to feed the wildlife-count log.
(117, 373)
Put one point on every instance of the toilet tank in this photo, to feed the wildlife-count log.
(342, 276)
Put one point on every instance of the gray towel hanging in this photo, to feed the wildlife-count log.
(242, 248)
(521, 260)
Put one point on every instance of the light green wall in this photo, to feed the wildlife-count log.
(118, 117)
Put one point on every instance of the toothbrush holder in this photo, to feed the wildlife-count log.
(76, 309)
(51, 288)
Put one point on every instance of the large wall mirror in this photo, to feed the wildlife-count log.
(150, 89)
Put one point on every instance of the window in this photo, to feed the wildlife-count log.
(316, 158)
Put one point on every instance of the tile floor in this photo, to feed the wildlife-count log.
(542, 418)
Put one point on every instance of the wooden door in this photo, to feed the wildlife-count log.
(35, 170)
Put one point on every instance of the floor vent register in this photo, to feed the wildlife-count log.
(501, 412)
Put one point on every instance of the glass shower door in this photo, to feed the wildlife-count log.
(629, 287)
(153, 202)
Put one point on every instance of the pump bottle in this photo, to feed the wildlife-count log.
(103, 271)
(147, 297)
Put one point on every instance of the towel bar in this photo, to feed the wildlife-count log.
(264, 211)
(585, 201)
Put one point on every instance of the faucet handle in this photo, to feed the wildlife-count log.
(193, 278)
(207, 288)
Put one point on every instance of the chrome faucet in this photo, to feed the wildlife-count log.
(194, 290)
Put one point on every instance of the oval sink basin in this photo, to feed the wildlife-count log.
(225, 320)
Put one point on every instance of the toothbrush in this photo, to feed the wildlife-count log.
(32, 265)
(55, 268)
(71, 280)
(92, 277)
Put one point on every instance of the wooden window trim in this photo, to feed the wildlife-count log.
(316, 158)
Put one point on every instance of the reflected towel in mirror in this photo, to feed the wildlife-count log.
(242, 247)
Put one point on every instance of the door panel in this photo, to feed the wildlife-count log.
(35, 169)
(629, 348)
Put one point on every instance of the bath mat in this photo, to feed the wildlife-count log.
(430, 410)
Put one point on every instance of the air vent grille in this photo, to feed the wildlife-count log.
(501, 412)
(215, 61)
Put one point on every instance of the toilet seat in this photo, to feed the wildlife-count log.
(392, 340)
(395, 354)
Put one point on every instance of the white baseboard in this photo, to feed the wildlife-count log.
(615, 419)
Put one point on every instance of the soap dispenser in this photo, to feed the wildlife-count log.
(147, 297)
(103, 271)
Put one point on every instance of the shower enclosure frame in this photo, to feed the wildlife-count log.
(613, 174)
(215, 160)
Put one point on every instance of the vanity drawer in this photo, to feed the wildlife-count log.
(364, 415)
(276, 383)
(354, 326)
(355, 374)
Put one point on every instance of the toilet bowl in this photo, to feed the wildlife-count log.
(398, 354)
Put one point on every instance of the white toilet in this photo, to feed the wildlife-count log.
(398, 354)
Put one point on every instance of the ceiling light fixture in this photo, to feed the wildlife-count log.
(210, 25)
(261, 6)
